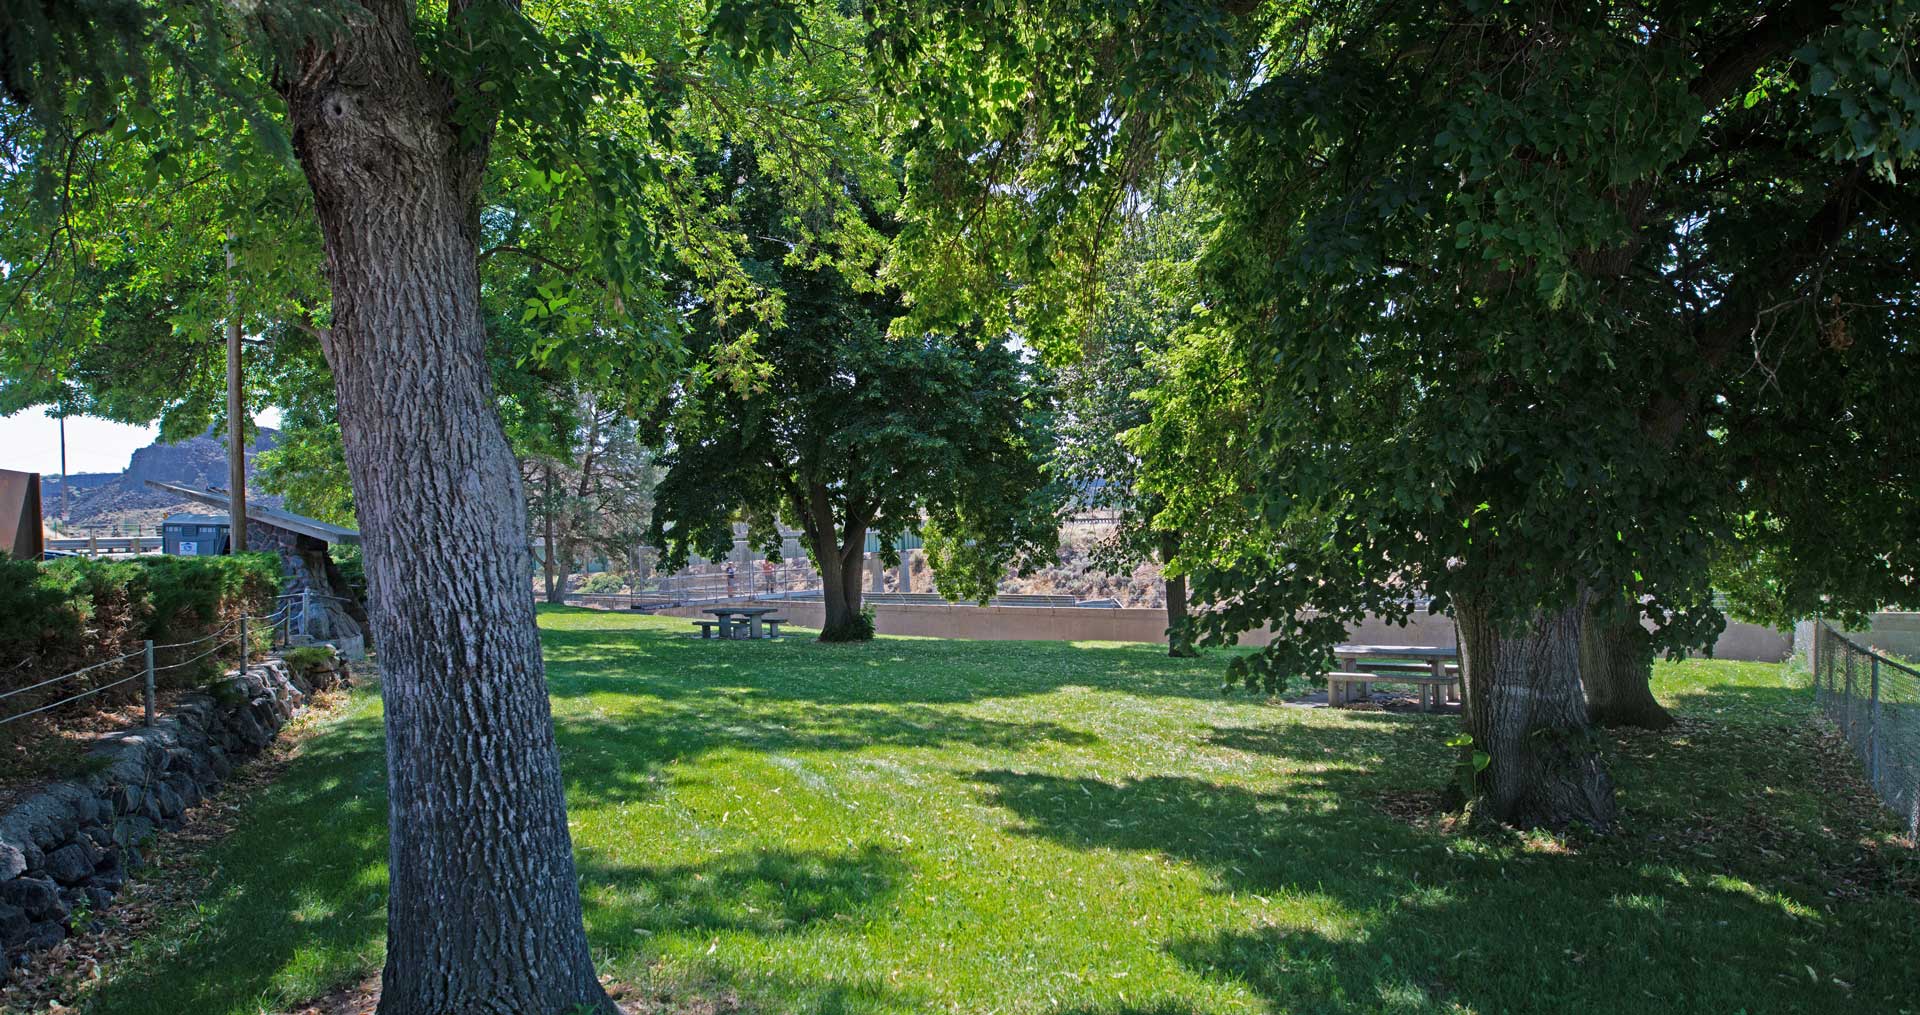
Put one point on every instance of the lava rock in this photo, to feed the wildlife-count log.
(73, 863)
(132, 831)
(167, 802)
(43, 935)
(40, 898)
(13, 925)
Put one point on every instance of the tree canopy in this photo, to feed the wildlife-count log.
(1522, 306)
(405, 155)
(846, 430)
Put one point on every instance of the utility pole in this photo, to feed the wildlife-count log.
(63, 468)
(236, 420)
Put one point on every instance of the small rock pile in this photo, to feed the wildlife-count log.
(66, 849)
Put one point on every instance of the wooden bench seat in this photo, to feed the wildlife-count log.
(1341, 685)
(1371, 666)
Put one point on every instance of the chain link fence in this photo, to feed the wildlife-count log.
(1875, 700)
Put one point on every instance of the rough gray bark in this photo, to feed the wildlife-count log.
(840, 588)
(483, 911)
(1616, 667)
(1524, 708)
(1179, 642)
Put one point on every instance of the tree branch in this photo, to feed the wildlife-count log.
(1775, 33)
(1735, 313)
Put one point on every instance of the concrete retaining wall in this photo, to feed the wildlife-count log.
(1893, 633)
(65, 849)
(1074, 623)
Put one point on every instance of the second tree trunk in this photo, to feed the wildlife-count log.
(1616, 666)
(1526, 712)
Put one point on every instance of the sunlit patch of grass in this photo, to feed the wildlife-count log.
(916, 825)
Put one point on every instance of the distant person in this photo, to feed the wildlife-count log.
(729, 577)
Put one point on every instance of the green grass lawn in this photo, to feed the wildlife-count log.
(933, 826)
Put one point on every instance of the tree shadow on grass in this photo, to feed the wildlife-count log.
(763, 891)
(1429, 921)
(612, 758)
(883, 672)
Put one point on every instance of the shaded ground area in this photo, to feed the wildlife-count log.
(918, 826)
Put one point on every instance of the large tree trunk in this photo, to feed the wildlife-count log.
(1525, 710)
(838, 554)
(840, 588)
(1179, 637)
(1616, 666)
(840, 575)
(483, 913)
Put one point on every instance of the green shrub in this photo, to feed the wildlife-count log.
(604, 583)
(192, 595)
(67, 613)
(64, 615)
(308, 658)
(352, 564)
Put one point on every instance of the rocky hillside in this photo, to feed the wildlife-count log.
(110, 500)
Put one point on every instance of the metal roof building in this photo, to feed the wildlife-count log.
(191, 535)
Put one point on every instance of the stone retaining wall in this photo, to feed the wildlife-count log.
(66, 849)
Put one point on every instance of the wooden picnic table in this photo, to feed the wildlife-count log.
(1437, 657)
(734, 616)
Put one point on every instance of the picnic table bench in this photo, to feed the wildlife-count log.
(731, 621)
(1432, 669)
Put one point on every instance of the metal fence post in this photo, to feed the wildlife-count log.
(306, 613)
(1850, 695)
(246, 650)
(149, 683)
(1873, 722)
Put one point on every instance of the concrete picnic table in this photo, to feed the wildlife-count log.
(750, 615)
(1348, 657)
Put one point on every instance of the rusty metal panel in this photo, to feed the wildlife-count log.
(20, 532)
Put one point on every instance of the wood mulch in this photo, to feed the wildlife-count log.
(170, 882)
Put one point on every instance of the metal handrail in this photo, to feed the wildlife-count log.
(315, 595)
(223, 637)
(75, 673)
(70, 699)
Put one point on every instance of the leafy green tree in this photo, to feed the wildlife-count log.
(1148, 296)
(596, 498)
(430, 145)
(1521, 305)
(848, 431)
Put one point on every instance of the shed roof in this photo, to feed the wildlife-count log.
(287, 520)
(188, 518)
